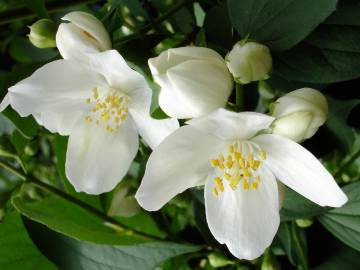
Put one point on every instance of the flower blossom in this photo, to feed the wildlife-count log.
(239, 165)
(102, 105)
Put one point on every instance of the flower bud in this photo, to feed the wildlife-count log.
(299, 114)
(83, 34)
(42, 34)
(194, 81)
(249, 61)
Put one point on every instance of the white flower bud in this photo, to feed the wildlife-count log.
(42, 34)
(83, 34)
(194, 81)
(249, 62)
(299, 114)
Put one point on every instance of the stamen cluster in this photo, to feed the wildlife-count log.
(110, 110)
(239, 163)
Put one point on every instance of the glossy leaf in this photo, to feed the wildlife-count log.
(16, 248)
(72, 220)
(280, 24)
(71, 254)
(344, 222)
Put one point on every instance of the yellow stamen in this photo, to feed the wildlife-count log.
(219, 183)
(215, 192)
(262, 154)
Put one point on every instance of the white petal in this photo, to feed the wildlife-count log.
(181, 161)
(175, 56)
(153, 131)
(97, 160)
(245, 220)
(62, 123)
(297, 168)
(91, 25)
(199, 87)
(60, 86)
(73, 44)
(117, 72)
(5, 102)
(232, 126)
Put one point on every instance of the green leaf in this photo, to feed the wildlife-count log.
(24, 52)
(16, 248)
(298, 207)
(71, 254)
(27, 126)
(345, 258)
(330, 54)
(280, 24)
(339, 111)
(218, 34)
(72, 220)
(38, 6)
(293, 241)
(344, 222)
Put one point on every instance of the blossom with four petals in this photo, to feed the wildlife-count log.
(239, 164)
(102, 105)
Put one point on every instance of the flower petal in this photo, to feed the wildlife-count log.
(232, 126)
(117, 72)
(297, 168)
(153, 131)
(245, 220)
(72, 43)
(199, 86)
(181, 161)
(97, 160)
(175, 56)
(62, 123)
(5, 102)
(91, 25)
(60, 86)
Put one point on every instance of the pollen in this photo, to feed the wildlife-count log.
(238, 167)
(108, 110)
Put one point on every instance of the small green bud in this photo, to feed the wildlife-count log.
(249, 62)
(304, 223)
(42, 34)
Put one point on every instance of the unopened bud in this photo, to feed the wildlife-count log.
(42, 33)
(249, 61)
(299, 114)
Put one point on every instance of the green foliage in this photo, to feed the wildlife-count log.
(72, 220)
(313, 44)
(71, 254)
(277, 23)
(344, 222)
(16, 248)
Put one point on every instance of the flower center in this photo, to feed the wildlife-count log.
(238, 165)
(109, 110)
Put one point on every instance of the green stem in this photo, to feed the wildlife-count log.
(11, 15)
(156, 22)
(13, 170)
(58, 192)
(239, 97)
(346, 164)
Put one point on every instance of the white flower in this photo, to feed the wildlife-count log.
(83, 34)
(103, 106)
(249, 62)
(194, 81)
(299, 114)
(239, 167)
